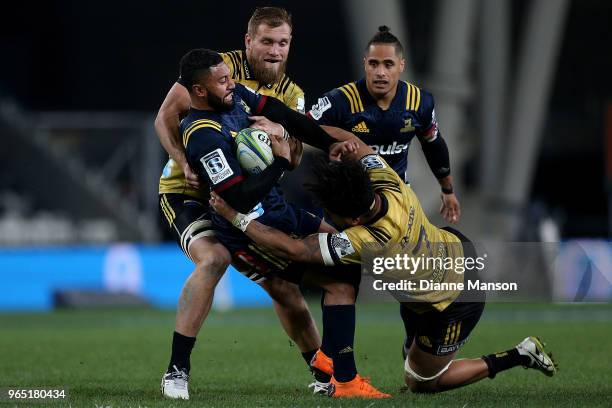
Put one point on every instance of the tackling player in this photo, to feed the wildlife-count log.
(183, 201)
(387, 114)
(365, 196)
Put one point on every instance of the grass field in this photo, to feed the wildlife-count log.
(242, 358)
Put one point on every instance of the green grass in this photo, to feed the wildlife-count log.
(242, 358)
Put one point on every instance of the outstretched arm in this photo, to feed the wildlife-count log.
(302, 250)
(175, 105)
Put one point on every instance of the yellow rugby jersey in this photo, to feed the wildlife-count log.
(403, 228)
(172, 179)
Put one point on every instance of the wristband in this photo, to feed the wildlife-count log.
(448, 190)
(241, 222)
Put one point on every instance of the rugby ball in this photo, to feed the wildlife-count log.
(253, 150)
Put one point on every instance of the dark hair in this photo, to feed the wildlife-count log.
(343, 188)
(384, 36)
(196, 63)
(272, 16)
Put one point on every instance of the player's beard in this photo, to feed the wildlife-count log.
(267, 75)
(219, 104)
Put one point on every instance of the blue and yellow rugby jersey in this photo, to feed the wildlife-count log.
(403, 224)
(211, 151)
(388, 132)
(172, 179)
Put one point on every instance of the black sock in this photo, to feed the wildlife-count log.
(408, 328)
(308, 355)
(181, 350)
(326, 345)
(503, 361)
(339, 327)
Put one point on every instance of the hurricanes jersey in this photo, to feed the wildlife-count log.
(403, 227)
(172, 179)
(388, 132)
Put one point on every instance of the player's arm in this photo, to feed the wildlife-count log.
(302, 250)
(175, 105)
(298, 125)
(211, 154)
(438, 158)
(245, 193)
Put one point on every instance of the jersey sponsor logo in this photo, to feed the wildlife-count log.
(361, 127)
(451, 348)
(300, 105)
(216, 166)
(372, 161)
(322, 105)
(341, 245)
(408, 127)
(247, 72)
(245, 107)
(394, 148)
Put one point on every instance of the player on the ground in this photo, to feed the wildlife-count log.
(221, 108)
(183, 200)
(387, 114)
(366, 197)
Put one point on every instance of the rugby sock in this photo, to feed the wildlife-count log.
(308, 355)
(339, 324)
(405, 314)
(503, 361)
(181, 350)
(326, 346)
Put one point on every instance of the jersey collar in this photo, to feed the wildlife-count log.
(384, 204)
(368, 99)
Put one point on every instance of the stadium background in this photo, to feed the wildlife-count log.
(523, 92)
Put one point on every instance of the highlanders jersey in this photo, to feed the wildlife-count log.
(388, 132)
(208, 137)
(402, 227)
(172, 179)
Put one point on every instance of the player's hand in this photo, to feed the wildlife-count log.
(221, 207)
(450, 209)
(271, 128)
(297, 150)
(339, 149)
(190, 176)
(280, 147)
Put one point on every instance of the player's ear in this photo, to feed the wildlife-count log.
(354, 221)
(247, 41)
(199, 90)
(402, 64)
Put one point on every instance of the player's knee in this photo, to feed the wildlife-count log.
(420, 387)
(212, 261)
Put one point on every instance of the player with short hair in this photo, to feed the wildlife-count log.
(183, 201)
(366, 197)
(221, 108)
(387, 114)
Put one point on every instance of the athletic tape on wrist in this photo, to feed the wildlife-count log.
(241, 222)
